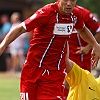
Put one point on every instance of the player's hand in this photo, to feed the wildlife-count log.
(95, 55)
(83, 50)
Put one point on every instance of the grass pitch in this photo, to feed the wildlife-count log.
(9, 86)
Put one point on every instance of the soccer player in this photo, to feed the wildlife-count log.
(43, 71)
(80, 51)
(83, 85)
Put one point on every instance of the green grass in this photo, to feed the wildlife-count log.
(9, 87)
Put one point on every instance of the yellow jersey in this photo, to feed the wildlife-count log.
(83, 85)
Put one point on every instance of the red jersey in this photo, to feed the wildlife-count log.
(75, 40)
(48, 49)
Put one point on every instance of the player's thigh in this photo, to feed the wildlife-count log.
(28, 81)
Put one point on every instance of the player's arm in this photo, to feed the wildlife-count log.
(69, 63)
(11, 36)
(93, 24)
(73, 76)
(86, 49)
(87, 36)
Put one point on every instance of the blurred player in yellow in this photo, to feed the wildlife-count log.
(83, 85)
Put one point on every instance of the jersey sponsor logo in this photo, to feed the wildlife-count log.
(63, 29)
(24, 96)
(33, 16)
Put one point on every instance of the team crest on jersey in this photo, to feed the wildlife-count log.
(63, 29)
(24, 96)
(74, 20)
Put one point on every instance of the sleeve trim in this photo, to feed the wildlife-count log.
(23, 24)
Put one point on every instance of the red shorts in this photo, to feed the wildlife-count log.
(37, 83)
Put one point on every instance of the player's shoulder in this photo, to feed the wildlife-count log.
(83, 10)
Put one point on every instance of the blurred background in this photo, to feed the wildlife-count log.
(26, 7)
(13, 12)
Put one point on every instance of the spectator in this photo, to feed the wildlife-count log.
(16, 47)
(6, 25)
(6, 57)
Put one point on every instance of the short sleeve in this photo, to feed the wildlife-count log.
(92, 23)
(38, 19)
(74, 76)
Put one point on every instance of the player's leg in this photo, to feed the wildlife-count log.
(28, 81)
